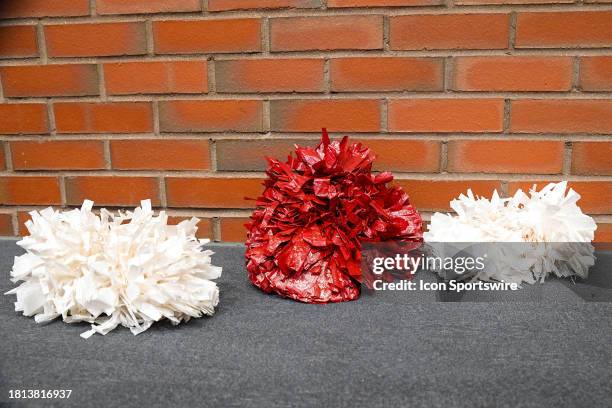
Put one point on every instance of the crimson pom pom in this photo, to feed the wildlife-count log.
(305, 236)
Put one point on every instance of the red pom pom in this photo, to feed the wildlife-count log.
(305, 237)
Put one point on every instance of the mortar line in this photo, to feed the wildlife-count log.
(449, 65)
(567, 158)
(107, 154)
(576, 87)
(386, 34)
(162, 192)
(101, 82)
(266, 117)
(62, 187)
(443, 157)
(384, 115)
(265, 36)
(149, 37)
(322, 11)
(327, 76)
(215, 224)
(155, 110)
(507, 115)
(8, 156)
(212, 147)
(41, 42)
(51, 118)
(212, 78)
(512, 31)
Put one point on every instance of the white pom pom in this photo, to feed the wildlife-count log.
(550, 219)
(129, 269)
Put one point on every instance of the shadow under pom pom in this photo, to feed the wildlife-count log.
(129, 269)
(317, 208)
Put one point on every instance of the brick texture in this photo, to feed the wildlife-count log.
(112, 191)
(211, 116)
(181, 101)
(212, 192)
(18, 41)
(505, 156)
(596, 73)
(160, 154)
(113, 117)
(58, 155)
(582, 29)
(192, 36)
(562, 116)
(43, 8)
(356, 115)
(446, 115)
(224, 5)
(34, 80)
(270, 75)
(156, 77)
(146, 6)
(96, 39)
(513, 74)
(26, 118)
(326, 33)
(449, 31)
(386, 74)
(592, 158)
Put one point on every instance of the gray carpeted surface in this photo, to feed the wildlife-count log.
(381, 350)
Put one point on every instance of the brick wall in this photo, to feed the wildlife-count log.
(179, 100)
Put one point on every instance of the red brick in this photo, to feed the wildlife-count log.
(446, 115)
(22, 218)
(564, 29)
(596, 195)
(603, 233)
(269, 75)
(193, 36)
(18, 41)
(124, 78)
(386, 74)
(212, 192)
(505, 156)
(233, 229)
(513, 73)
(6, 225)
(112, 191)
(95, 39)
(2, 159)
(24, 118)
(111, 117)
(561, 116)
(355, 115)
(146, 6)
(326, 33)
(435, 195)
(503, 2)
(50, 80)
(211, 116)
(596, 73)
(160, 154)
(592, 158)
(382, 3)
(58, 155)
(43, 8)
(223, 5)
(29, 190)
(249, 155)
(449, 31)
(204, 226)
